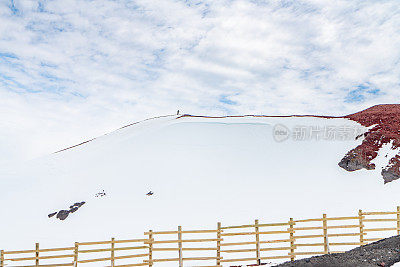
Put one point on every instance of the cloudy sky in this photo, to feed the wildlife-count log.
(75, 69)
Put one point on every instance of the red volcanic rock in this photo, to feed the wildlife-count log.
(385, 120)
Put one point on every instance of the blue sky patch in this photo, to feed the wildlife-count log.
(225, 99)
(13, 8)
(49, 77)
(361, 92)
(6, 55)
(41, 7)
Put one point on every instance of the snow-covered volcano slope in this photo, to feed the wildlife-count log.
(202, 170)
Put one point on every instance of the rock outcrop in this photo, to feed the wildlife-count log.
(355, 160)
(63, 214)
(384, 121)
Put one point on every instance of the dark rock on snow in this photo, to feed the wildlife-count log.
(63, 214)
(72, 210)
(354, 161)
(52, 214)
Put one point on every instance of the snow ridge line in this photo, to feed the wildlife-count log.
(128, 125)
(201, 116)
(261, 116)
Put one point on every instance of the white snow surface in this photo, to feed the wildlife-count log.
(202, 170)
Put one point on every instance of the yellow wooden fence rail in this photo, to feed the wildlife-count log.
(241, 244)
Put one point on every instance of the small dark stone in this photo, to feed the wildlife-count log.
(62, 214)
(52, 214)
(72, 210)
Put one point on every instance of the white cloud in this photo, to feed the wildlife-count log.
(73, 69)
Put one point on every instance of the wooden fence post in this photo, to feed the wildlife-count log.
(76, 254)
(2, 258)
(180, 246)
(112, 252)
(257, 242)
(292, 239)
(219, 244)
(37, 254)
(325, 228)
(150, 248)
(398, 220)
(360, 218)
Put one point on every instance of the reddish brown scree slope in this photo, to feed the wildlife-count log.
(385, 120)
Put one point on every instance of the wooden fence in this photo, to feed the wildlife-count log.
(253, 244)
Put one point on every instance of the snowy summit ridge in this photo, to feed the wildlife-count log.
(383, 121)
